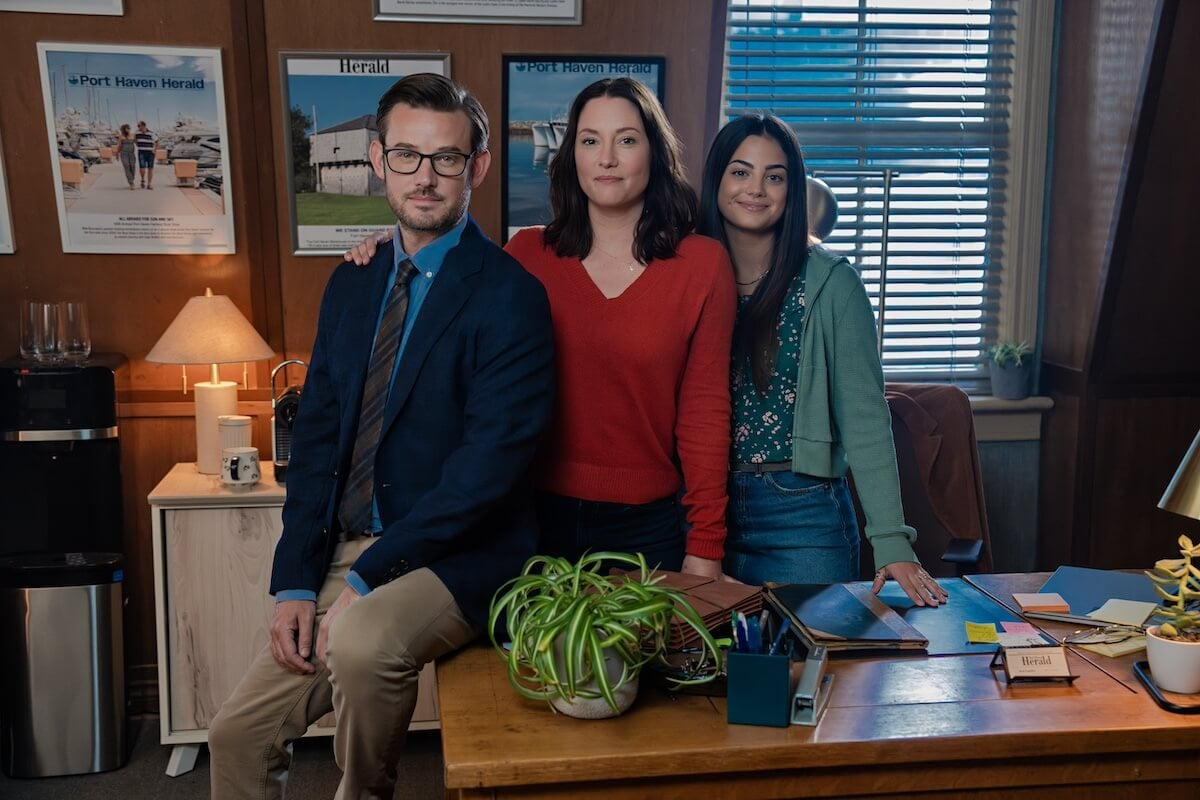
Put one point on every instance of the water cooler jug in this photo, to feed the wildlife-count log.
(60, 456)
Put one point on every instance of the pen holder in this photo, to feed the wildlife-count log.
(760, 689)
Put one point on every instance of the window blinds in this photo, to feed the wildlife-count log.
(918, 88)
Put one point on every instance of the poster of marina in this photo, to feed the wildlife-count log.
(538, 91)
(329, 104)
(139, 148)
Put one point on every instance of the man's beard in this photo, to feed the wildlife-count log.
(435, 225)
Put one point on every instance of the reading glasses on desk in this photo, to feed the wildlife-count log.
(1109, 634)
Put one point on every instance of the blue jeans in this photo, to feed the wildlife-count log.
(790, 528)
(570, 526)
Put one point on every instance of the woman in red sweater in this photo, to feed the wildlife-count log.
(643, 313)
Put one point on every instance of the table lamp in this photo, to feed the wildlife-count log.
(210, 330)
(1183, 492)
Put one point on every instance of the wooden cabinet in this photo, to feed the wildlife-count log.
(213, 547)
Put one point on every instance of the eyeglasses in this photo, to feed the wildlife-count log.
(1109, 634)
(448, 163)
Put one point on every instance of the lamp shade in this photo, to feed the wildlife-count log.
(209, 330)
(1183, 493)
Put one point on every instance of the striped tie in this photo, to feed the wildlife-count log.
(355, 510)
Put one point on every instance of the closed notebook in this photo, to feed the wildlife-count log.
(1041, 601)
(843, 617)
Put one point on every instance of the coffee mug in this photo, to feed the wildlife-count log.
(239, 466)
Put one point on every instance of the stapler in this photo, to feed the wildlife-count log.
(812, 690)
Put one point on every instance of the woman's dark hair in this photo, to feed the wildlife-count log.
(436, 93)
(669, 206)
(125, 129)
(756, 333)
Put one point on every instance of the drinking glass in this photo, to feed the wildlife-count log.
(76, 336)
(39, 330)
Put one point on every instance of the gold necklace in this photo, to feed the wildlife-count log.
(631, 265)
(761, 275)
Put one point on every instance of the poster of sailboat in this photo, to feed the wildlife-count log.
(538, 91)
(139, 148)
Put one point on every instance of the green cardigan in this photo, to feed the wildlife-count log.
(842, 419)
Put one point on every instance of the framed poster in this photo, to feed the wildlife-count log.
(112, 8)
(6, 236)
(512, 12)
(329, 103)
(170, 192)
(538, 91)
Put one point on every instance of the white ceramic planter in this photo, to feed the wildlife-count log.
(1175, 664)
(597, 707)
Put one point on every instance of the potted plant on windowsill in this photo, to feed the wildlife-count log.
(1173, 647)
(1010, 368)
(579, 639)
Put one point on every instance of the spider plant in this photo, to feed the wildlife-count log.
(564, 619)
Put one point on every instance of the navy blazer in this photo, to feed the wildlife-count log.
(472, 395)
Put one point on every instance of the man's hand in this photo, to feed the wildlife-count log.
(362, 253)
(343, 602)
(291, 635)
(918, 584)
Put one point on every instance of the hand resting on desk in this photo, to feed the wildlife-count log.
(919, 585)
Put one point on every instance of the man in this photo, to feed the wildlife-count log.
(405, 506)
(147, 142)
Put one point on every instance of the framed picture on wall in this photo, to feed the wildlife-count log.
(6, 236)
(139, 148)
(329, 103)
(538, 91)
(112, 8)
(511, 12)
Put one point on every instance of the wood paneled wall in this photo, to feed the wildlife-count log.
(1121, 284)
(134, 297)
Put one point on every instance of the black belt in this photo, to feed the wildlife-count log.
(760, 468)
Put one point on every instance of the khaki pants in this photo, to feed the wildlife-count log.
(377, 648)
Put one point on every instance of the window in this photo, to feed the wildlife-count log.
(915, 94)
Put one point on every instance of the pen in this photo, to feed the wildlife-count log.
(733, 630)
(783, 629)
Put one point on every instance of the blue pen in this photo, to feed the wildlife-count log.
(742, 635)
(783, 629)
(755, 632)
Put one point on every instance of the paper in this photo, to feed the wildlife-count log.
(1019, 627)
(981, 632)
(1031, 639)
(1124, 612)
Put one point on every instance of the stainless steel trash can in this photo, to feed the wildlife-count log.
(62, 696)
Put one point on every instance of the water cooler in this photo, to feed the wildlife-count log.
(60, 456)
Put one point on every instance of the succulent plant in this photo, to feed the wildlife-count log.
(1177, 581)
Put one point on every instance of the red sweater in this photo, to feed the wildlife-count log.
(643, 382)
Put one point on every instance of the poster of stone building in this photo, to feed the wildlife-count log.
(329, 103)
(139, 148)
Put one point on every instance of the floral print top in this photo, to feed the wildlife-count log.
(762, 424)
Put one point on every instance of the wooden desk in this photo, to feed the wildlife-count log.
(895, 727)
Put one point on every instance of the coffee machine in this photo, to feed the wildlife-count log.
(60, 457)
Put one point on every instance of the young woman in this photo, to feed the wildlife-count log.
(643, 315)
(806, 382)
(127, 153)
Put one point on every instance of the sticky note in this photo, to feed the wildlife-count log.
(1018, 627)
(981, 633)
